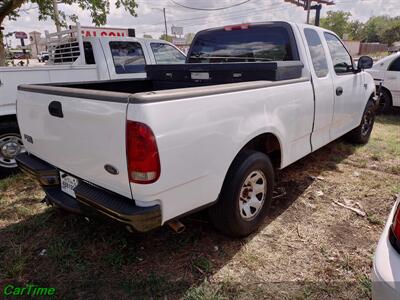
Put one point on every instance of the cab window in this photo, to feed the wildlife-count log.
(341, 59)
(89, 57)
(317, 52)
(166, 54)
(128, 57)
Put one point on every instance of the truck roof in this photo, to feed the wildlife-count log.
(125, 38)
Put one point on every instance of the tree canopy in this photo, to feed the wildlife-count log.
(382, 29)
(99, 9)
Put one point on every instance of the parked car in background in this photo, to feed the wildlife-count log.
(388, 70)
(43, 56)
(73, 58)
(251, 99)
(386, 267)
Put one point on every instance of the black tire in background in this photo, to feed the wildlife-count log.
(385, 103)
(227, 215)
(362, 133)
(10, 145)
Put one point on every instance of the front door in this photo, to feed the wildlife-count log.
(349, 90)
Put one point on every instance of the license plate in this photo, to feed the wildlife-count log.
(68, 184)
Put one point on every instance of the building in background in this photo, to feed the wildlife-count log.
(37, 43)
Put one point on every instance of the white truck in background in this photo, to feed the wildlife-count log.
(74, 58)
(251, 99)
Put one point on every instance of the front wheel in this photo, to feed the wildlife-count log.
(246, 195)
(361, 134)
(10, 146)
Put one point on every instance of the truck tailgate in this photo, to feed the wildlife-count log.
(86, 136)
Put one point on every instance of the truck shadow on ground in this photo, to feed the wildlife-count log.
(96, 259)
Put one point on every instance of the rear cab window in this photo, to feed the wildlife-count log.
(89, 56)
(166, 54)
(244, 43)
(128, 57)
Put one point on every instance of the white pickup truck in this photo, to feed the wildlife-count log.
(73, 58)
(251, 99)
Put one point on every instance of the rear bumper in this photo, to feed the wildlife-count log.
(89, 198)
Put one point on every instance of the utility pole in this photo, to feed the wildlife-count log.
(308, 11)
(165, 20)
(165, 23)
(56, 15)
(306, 4)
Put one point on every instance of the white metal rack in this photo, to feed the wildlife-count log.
(65, 47)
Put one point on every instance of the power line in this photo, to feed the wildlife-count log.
(224, 14)
(232, 17)
(209, 9)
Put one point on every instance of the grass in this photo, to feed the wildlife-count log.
(308, 248)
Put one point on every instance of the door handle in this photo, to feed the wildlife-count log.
(339, 91)
(392, 77)
(55, 109)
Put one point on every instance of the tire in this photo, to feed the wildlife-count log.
(385, 104)
(10, 145)
(234, 216)
(361, 134)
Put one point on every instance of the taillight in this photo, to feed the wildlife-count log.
(142, 153)
(394, 232)
(396, 224)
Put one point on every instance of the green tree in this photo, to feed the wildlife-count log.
(355, 30)
(167, 38)
(147, 36)
(374, 28)
(99, 9)
(336, 21)
(391, 34)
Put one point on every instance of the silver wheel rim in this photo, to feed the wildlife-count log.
(252, 195)
(10, 146)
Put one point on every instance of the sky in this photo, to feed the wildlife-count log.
(150, 17)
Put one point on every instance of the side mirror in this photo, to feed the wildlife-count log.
(364, 62)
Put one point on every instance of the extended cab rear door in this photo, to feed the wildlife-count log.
(322, 84)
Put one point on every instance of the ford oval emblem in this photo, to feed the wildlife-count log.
(111, 169)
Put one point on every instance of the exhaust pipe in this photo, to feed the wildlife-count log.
(176, 226)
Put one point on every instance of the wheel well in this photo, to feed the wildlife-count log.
(269, 144)
(8, 118)
(387, 91)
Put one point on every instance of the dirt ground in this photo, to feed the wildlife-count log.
(309, 248)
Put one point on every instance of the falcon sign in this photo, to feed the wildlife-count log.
(105, 31)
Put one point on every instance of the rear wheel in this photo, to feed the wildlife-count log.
(10, 146)
(245, 196)
(361, 134)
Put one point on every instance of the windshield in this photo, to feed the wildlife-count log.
(253, 43)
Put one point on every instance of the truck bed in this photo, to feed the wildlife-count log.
(175, 77)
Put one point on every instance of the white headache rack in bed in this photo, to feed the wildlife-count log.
(65, 47)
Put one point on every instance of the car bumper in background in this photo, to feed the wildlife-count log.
(89, 198)
(386, 269)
